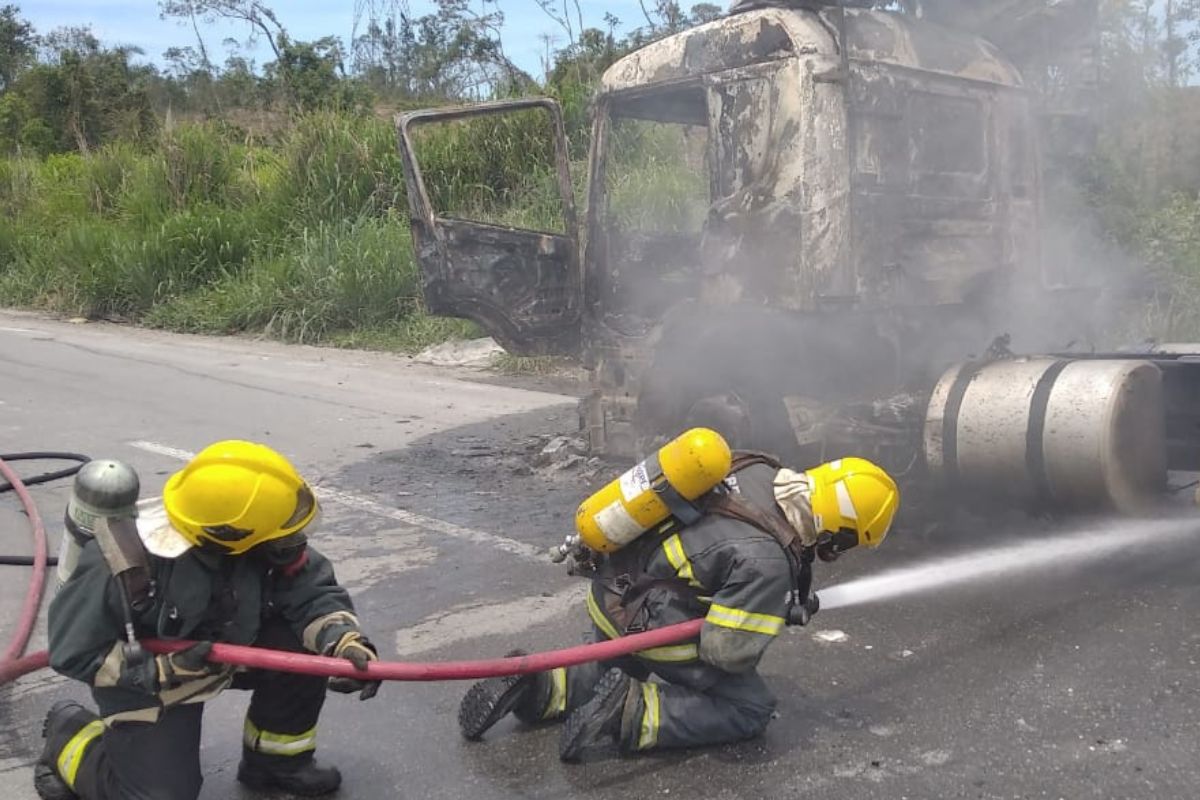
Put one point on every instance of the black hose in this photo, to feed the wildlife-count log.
(25, 561)
(5, 486)
(49, 476)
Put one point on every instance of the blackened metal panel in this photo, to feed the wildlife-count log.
(522, 286)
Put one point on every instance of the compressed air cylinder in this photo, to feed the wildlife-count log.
(660, 487)
(103, 488)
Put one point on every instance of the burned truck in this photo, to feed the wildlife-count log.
(862, 272)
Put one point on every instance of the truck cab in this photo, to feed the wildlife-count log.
(835, 162)
(792, 211)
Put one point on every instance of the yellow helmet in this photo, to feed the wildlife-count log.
(236, 495)
(853, 494)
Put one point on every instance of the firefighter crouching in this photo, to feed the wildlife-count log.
(742, 561)
(224, 559)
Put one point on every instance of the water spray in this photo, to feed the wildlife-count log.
(1041, 554)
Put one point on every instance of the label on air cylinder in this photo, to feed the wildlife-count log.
(616, 524)
(68, 558)
(635, 483)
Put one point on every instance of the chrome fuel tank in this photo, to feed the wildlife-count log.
(1055, 434)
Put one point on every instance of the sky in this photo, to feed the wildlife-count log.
(137, 22)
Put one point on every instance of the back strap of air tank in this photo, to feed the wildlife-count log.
(680, 507)
(683, 509)
(745, 458)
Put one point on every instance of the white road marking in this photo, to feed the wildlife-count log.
(366, 504)
(472, 535)
(163, 450)
(396, 551)
(16, 330)
(359, 572)
(467, 622)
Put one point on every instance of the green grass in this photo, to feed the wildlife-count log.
(304, 237)
(508, 364)
(410, 335)
(1169, 239)
(495, 169)
(338, 277)
(204, 232)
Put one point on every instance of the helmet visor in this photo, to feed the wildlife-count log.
(238, 540)
(306, 508)
(831, 545)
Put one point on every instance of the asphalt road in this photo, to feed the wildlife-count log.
(1077, 684)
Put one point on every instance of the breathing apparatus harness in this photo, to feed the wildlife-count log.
(720, 501)
(802, 602)
(103, 507)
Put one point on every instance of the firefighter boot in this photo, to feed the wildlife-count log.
(489, 701)
(599, 720)
(298, 775)
(68, 730)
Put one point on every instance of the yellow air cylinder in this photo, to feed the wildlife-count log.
(660, 487)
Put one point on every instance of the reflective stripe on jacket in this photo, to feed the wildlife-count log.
(198, 596)
(731, 573)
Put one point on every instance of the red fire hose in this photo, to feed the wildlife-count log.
(259, 658)
(14, 666)
(277, 660)
(33, 597)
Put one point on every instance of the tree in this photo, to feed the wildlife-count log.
(454, 52)
(67, 39)
(664, 16)
(705, 12)
(308, 72)
(14, 114)
(183, 61)
(16, 45)
(1181, 31)
(237, 83)
(258, 16)
(81, 94)
(562, 18)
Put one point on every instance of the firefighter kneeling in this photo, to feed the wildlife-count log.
(742, 562)
(223, 559)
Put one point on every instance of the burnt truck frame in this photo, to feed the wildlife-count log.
(873, 221)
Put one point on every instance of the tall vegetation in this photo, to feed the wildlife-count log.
(204, 191)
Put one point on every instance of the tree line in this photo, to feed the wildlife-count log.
(66, 90)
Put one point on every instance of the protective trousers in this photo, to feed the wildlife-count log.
(688, 706)
(161, 760)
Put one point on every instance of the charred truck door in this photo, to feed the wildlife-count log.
(522, 285)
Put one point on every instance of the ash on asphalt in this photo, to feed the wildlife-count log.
(486, 476)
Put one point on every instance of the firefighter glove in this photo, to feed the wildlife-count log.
(358, 650)
(170, 670)
(192, 664)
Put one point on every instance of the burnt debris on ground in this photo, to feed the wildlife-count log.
(522, 473)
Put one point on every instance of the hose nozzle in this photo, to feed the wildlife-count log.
(570, 546)
(800, 614)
